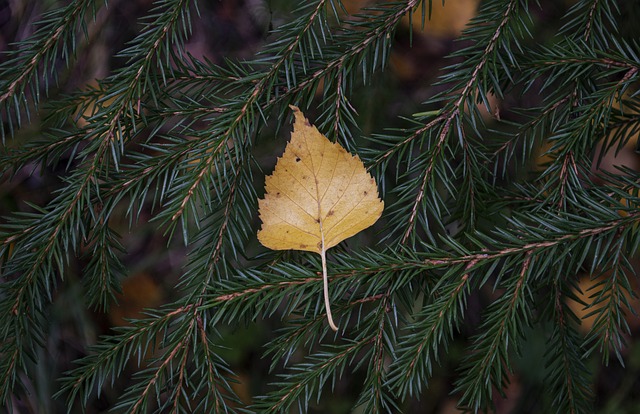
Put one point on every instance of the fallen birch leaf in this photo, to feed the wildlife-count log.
(318, 195)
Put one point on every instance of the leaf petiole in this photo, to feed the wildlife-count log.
(325, 280)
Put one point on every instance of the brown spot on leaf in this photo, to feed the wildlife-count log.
(330, 213)
(297, 159)
(303, 246)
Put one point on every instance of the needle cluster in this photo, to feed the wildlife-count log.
(502, 209)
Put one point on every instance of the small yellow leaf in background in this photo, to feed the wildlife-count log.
(318, 195)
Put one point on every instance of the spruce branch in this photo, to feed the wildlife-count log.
(413, 365)
(436, 133)
(65, 224)
(299, 385)
(486, 367)
(504, 200)
(565, 364)
(54, 39)
(239, 129)
(376, 395)
(114, 352)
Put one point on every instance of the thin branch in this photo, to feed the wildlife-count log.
(253, 97)
(452, 113)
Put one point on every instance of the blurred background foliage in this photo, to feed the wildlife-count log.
(234, 29)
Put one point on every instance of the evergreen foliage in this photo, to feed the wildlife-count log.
(496, 209)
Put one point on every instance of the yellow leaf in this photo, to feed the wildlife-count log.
(318, 195)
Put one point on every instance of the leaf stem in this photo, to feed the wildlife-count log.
(325, 280)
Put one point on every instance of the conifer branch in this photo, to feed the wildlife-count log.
(56, 33)
(486, 368)
(568, 378)
(507, 205)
